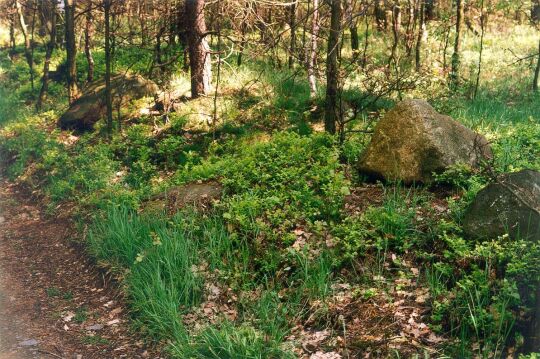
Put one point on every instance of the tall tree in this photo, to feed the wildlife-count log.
(28, 54)
(456, 56)
(88, 37)
(396, 27)
(292, 25)
(353, 25)
(49, 9)
(380, 14)
(11, 19)
(71, 50)
(421, 32)
(331, 113)
(311, 54)
(483, 24)
(108, 93)
(199, 51)
(537, 71)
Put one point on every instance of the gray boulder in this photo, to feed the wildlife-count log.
(413, 141)
(509, 206)
(91, 106)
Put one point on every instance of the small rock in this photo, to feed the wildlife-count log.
(2, 219)
(94, 327)
(29, 343)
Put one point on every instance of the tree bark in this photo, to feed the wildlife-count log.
(312, 52)
(431, 9)
(396, 22)
(535, 11)
(380, 15)
(366, 40)
(355, 42)
(27, 42)
(331, 115)
(483, 24)
(456, 56)
(88, 36)
(108, 93)
(71, 50)
(12, 42)
(199, 55)
(49, 10)
(243, 39)
(421, 31)
(292, 25)
(536, 78)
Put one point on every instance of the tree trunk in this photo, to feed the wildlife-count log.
(88, 36)
(456, 56)
(331, 115)
(353, 27)
(71, 51)
(292, 25)
(108, 94)
(199, 56)
(312, 52)
(483, 24)
(412, 12)
(431, 9)
(32, 31)
(366, 41)
(380, 15)
(536, 78)
(355, 42)
(243, 39)
(27, 42)
(421, 31)
(396, 22)
(535, 11)
(12, 43)
(49, 10)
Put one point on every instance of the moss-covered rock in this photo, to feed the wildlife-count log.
(91, 106)
(413, 141)
(509, 206)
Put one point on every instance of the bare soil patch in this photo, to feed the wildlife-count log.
(54, 303)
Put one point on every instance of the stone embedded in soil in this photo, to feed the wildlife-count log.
(509, 206)
(29, 343)
(90, 107)
(413, 141)
(94, 327)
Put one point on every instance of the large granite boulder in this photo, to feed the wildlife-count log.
(413, 141)
(91, 106)
(509, 206)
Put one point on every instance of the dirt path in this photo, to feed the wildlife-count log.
(53, 302)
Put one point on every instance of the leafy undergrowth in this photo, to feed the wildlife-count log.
(299, 257)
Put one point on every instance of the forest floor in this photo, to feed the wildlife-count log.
(53, 302)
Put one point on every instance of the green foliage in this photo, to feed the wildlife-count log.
(480, 290)
(391, 226)
(274, 186)
(230, 342)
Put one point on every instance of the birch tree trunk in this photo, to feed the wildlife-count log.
(312, 51)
